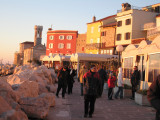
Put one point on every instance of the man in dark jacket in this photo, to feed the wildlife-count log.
(153, 95)
(103, 77)
(72, 73)
(91, 88)
(62, 81)
(135, 79)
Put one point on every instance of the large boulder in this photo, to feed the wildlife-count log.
(37, 107)
(8, 94)
(7, 113)
(27, 89)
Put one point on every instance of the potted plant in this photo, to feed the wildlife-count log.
(127, 91)
(141, 97)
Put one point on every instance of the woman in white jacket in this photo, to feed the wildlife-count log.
(120, 84)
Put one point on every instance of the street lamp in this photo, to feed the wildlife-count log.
(119, 49)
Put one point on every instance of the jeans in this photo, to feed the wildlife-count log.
(120, 90)
(81, 89)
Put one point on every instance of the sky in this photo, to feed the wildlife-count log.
(18, 18)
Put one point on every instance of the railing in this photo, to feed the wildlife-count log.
(148, 26)
(154, 31)
(95, 45)
(132, 7)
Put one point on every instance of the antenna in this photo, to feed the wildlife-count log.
(51, 26)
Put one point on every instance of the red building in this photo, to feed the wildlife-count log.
(61, 42)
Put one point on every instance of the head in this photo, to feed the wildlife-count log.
(93, 68)
(111, 74)
(83, 66)
(64, 68)
(135, 68)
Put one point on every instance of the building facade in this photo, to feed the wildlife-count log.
(61, 42)
(108, 33)
(81, 43)
(130, 23)
(93, 41)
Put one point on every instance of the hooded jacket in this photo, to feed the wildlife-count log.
(120, 78)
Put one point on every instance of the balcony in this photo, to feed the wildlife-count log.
(153, 32)
(148, 26)
(95, 45)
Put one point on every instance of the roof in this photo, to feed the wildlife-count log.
(103, 19)
(62, 31)
(27, 42)
(110, 24)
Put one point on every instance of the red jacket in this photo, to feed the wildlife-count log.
(111, 82)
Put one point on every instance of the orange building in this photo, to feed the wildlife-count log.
(81, 43)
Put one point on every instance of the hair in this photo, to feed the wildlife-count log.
(135, 66)
(93, 66)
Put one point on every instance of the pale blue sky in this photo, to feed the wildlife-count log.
(18, 18)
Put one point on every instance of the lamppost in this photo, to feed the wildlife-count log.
(119, 49)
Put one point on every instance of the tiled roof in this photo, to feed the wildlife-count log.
(104, 18)
(110, 24)
(62, 31)
(27, 42)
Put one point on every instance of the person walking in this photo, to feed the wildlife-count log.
(153, 95)
(103, 76)
(72, 73)
(120, 84)
(62, 81)
(111, 85)
(80, 77)
(135, 79)
(91, 88)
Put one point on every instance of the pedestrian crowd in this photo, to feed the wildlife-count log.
(93, 80)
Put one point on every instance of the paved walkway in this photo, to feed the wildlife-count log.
(72, 108)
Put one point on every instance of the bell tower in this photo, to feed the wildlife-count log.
(38, 35)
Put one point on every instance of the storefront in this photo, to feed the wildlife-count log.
(146, 57)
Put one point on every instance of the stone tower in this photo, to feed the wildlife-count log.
(38, 35)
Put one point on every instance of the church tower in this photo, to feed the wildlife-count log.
(38, 35)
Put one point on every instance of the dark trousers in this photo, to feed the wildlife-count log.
(133, 91)
(70, 87)
(120, 90)
(101, 89)
(89, 102)
(63, 89)
(110, 93)
(156, 104)
(81, 89)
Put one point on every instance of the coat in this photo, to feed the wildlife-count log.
(135, 78)
(111, 82)
(120, 78)
(91, 83)
(81, 74)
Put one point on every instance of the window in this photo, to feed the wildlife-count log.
(99, 28)
(69, 37)
(92, 28)
(111, 52)
(61, 45)
(51, 45)
(103, 33)
(128, 67)
(154, 67)
(119, 23)
(118, 37)
(91, 41)
(128, 21)
(101, 51)
(105, 51)
(68, 45)
(127, 36)
(61, 37)
(51, 37)
(98, 40)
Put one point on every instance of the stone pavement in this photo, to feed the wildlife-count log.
(72, 108)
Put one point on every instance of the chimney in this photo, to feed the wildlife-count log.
(94, 18)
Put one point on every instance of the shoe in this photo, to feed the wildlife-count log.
(132, 98)
(110, 99)
(115, 97)
(57, 96)
(63, 97)
(85, 116)
(90, 116)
